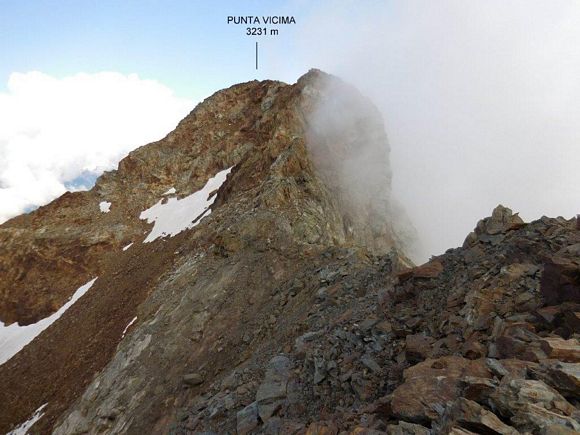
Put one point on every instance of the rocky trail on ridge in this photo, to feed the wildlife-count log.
(285, 304)
(463, 344)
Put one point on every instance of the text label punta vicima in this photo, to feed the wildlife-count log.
(263, 20)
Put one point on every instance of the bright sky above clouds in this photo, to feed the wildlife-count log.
(481, 99)
(54, 129)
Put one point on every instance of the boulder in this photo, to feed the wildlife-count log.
(564, 350)
(417, 347)
(560, 281)
(370, 363)
(513, 397)
(432, 269)
(429, 385)
(272, 392)
(478, 389)
(193, 379)
(470, 415)
(564, 377)
(536, 419)
(247, 419)
(515, 368)
(473, 349)
(502, 219)
(487, 230)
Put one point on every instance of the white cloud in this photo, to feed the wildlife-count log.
(54, 130)
(481, 102)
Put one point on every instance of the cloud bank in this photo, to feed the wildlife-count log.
(481, 102)
(60, 133)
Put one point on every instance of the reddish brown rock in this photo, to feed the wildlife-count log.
(429, 385)
(571, 320)
(519, 341)
(533, 418)
(564, 350)
(515, 396)
(514, 368)
(468, 414)
(417, 347)
(478, 389)
(473, 349)
(501, 221)
(548, 314)
(564, 377)
(428, 270)
(561, 281)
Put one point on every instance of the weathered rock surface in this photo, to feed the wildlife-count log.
(283, 213)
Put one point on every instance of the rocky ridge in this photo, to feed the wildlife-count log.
(291, 308)
(482, 339)
(271, 219)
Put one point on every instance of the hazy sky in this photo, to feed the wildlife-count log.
(481, 99)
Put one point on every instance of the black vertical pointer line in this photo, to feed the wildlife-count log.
(256, 54)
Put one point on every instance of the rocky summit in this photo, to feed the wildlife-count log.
(248, 274)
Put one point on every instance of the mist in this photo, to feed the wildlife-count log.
(348, 145)
(481, 102)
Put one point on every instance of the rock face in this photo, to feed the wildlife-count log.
(288, 306)
(271, 221)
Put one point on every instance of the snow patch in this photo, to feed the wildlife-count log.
(128, 326)
(128, 246)
(170, 191)
(14, 337)
(177, 215)
(23, 428)
(105, 206)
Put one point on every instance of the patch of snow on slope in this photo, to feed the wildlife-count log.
(128, 326)
(23, 428)
(128, 246)
(170, 191)
(105, 206)
(14, 337)
(178, 215)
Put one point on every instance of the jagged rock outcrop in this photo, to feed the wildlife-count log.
(462, 344)
(291, 308)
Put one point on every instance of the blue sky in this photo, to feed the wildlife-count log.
(82, 82)
(186, 45)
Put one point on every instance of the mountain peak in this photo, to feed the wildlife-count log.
(247, 273)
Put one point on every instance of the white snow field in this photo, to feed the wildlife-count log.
(128, 326)
(14, 337)
(23, 427)
(105, 206)
(177, 215)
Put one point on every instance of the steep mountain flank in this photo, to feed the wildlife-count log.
(249, 282)
(270, 218)
(50, 252)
